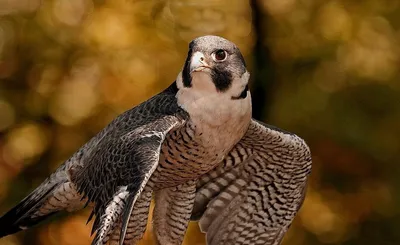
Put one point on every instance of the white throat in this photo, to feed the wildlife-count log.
(219, 121)
(206, 105)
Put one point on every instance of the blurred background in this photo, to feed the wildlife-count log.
(327, 70)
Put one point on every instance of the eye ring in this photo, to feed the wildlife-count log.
(220, 55)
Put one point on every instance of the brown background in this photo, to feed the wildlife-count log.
(327, 70)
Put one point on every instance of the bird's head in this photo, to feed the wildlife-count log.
(215, 65)
(214, 81)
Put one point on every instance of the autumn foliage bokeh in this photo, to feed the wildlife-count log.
(327, 70)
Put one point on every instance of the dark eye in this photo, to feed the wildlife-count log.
(220, 55)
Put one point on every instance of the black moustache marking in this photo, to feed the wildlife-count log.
(221, 78)
(242, 95)
(186, 77)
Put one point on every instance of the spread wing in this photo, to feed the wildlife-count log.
(255, 193)
(116, 169)
(109, 171)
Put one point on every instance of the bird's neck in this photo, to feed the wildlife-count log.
(217, 119)
(207, 106)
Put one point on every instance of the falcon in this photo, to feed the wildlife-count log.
(196, 148)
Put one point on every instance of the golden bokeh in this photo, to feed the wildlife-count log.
(327, 70)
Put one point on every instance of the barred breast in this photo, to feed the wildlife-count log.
(191, 151)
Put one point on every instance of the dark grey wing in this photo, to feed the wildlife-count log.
(116, 167)
(255, 193)
(109, 170)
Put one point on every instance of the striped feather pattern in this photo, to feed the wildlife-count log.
(173, 207)
(255, 193)
(138, 220)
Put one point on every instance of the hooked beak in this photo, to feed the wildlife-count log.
(198, 63)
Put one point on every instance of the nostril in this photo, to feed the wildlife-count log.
(201, 58)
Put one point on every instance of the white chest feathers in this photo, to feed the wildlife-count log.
(220, 121)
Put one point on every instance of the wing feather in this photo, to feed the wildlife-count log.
(125, 156)
(252, 199)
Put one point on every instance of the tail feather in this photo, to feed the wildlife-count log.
(52, 196)
(22, 215)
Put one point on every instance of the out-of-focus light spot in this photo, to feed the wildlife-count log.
(212, 19)
(7, 115)
(46, 84)
(213, 15)
(9, 166)
(334, 22)
(373, 53)
(74, 102)
(297, 41)
(10, 240)
(108, 28)
(72, 231)
(11, 6)
(190, 19)
(242, 32)
(319, 218)
(71, 12)
(75, 225)
(77, 97)
(278, 7)
(134, 83)
(25, 142)
(165, 22)
(145, 69)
